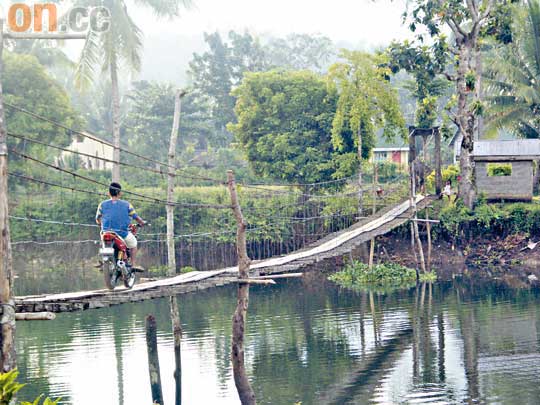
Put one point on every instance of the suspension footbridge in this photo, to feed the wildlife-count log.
(333, 245)
(289, 226)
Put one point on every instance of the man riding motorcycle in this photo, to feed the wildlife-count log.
(115, 215)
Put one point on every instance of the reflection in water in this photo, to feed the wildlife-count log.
(308, 341)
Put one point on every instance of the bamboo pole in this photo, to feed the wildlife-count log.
(281, 275)
(373, 211)
(7, 320)
(245, 392)
(171, 255)
(153, 360)
(428, 231)
(360, 182)
(35, 316)
(177, 334)
(438, 171)
(415, 223)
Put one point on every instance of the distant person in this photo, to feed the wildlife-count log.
(115, 215)
(448, 190)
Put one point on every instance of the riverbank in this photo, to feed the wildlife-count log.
(493, 241)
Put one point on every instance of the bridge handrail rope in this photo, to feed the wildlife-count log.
(103, 159)
(291, 220)
(301, 184)
(150, 160)
(141, 197)
(95, 138)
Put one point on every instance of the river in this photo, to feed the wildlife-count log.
(308, 341)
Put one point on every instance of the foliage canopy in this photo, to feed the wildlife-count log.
(284, 125)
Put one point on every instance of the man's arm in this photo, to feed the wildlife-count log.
(133, 214)
(99, 214)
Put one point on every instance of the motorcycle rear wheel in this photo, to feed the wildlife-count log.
(110, 275)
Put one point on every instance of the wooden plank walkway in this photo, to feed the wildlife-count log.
(333, 245)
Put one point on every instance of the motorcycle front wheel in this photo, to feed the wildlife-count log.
(129, 279)
(110, 275)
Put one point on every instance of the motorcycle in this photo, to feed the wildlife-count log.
(116, 259)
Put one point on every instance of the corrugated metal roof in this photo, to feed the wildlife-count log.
(390, 149)
(521, 147)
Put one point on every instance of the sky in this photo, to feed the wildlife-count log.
(354, 21)
(358, 24)
(170, 43)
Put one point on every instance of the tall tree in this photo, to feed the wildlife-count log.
(367, 102)
(150, 118)
(217, 71)
(512, 75)
(121, 44)
(27, 84)
(284, 124)
(425, 64)
(301, 52)
(469, 21)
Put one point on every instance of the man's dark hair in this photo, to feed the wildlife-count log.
(114, 189)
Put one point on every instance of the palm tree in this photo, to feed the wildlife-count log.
(120, 46)
(512, 77)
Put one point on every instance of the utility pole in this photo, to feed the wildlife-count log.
(7, 305)
(171, 251)
(171, 256)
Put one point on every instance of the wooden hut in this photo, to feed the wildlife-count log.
(506, 170)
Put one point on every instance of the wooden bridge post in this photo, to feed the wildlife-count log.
(171, 254)
(177, 333)
(153, 360)
(438, 172)
(374, 210)
(360, 182)
(415, 219)
(245, 392)
(7, 322)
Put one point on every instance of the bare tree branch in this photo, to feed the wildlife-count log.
(487, 11)
(456, 29)
(472, 8)
(449, 77)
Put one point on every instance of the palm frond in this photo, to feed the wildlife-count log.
(88, 60)
(128, 38)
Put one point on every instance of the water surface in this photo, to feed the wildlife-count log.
(308, 341)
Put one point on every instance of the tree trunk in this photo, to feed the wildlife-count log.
(245, 392)
(171, 254)
(360, 182)
(466, 120)
(115, 118)
(7, 321)
(177, 333)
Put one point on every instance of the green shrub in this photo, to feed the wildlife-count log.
(499, 169)
(187, 269)
(449, 173)
(9, 388)
(429, 277)
(453, 217)
(488, 219)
